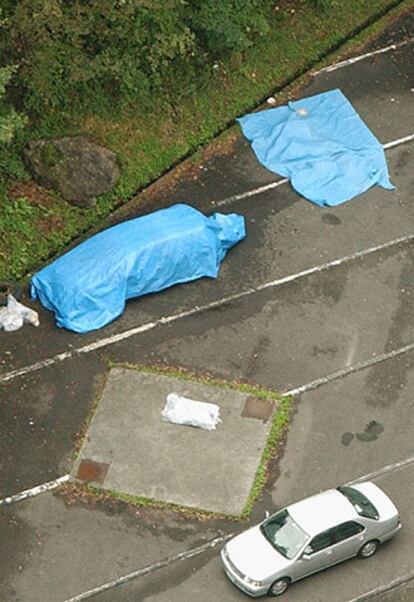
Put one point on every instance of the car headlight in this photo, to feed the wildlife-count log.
(253, 582)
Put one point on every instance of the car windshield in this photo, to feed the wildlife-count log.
(284, 534)
(360, 502)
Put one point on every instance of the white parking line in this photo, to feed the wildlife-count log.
(165, 320)
(380, 472)
(399, 141)
(362, 57)
(382, 589)
(214, 542)
(349, 370)
(253, 192)
(149, 569)
(168, 319)
(24, 495)
(277, 183)
(208, 545)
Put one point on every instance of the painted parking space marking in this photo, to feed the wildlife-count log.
(151, 568)
(222, 539)
(384, 470)
(349, 370)
(165, 320)
(104, 342)
(399, 141)
(34, 491)
(363, 57)
(277, 183)
(382, 589)
(249, 193)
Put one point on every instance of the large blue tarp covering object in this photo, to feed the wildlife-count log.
(322, 145)
(87, 287)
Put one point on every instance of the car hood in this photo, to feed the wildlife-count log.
(381, 501)
(254, 556)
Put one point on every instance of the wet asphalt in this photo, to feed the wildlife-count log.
(56, 546)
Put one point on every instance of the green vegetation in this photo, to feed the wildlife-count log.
(122, 50)
(10, 121)
(182, 374)
(279, 426)
(153, 81)
(143, 502)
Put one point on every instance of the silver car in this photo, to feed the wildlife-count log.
(309, 536)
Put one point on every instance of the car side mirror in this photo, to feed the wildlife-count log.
(267, 514)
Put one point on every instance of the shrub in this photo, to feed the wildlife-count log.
(222, 27)
(84, 51)
(10, 120)
(323, 4)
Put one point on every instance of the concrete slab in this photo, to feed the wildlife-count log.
(211, 470)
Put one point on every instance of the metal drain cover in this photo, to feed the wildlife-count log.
(254, 407)
(90, 471)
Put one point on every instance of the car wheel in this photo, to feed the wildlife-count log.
(368, 549)
(279, 587)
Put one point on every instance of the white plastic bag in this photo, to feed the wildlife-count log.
(14, 315)
(181, 410)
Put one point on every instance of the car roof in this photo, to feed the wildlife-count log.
(322, 511)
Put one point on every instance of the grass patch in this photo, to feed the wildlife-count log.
(149, 143)
(82, 433)
(205, 379)
(278, 428)
(34, 224)
(143, 502)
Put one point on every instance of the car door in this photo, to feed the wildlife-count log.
(348, 539)
(316, 556)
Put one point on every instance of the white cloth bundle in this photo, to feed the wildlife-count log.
(181, 410)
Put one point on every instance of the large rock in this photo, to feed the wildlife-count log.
(76, 167)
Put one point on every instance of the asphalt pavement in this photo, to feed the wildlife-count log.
(315, 302)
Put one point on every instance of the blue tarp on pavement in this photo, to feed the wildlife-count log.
(322, 145)
(87, 287)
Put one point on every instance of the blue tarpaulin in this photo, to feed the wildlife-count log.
(322, 145)
(87, 287)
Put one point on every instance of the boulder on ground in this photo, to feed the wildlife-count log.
(77, 168)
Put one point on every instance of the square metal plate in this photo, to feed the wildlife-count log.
(90, 471)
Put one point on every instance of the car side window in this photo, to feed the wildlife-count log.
(346, 530)
(321, 541)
